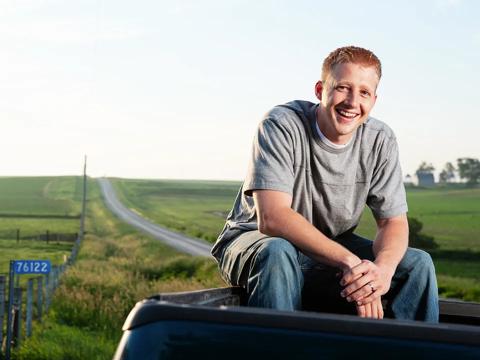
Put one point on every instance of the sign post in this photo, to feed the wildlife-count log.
(20, 267)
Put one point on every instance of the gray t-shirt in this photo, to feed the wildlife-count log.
(329, 187)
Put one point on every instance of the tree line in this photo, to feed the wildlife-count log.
(467, 169)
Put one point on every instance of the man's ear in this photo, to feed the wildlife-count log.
(318, 90)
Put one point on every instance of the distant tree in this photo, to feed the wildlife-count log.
(425, 168)
(448, 173)
(418, 240)
(469, 169)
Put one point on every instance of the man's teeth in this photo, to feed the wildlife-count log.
(346, 113)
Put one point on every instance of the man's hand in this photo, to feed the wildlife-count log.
(373, 309)
(365, 283)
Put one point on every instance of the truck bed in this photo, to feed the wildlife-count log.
(214, 324)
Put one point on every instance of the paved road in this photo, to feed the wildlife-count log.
(178, 241)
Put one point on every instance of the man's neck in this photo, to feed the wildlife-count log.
(324, 133)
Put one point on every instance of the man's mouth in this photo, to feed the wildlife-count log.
(346, 114)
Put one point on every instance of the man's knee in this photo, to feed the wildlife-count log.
(419, 260)
(277, 250)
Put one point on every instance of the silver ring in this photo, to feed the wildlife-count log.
(371, 287)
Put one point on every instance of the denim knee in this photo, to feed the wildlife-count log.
(419, 260)
(275, 278)
(277, 252)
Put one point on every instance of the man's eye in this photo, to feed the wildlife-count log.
(365, 93)
(342, 88)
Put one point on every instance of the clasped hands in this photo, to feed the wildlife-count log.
(364, 284)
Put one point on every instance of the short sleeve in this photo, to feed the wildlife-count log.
(271, 163)
(386, 196)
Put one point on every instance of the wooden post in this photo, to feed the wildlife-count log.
(48, 287)
(11, 279)
(39, 298)
(17, 320)
(3, 281)
(29, 311)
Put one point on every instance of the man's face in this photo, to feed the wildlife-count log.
(346, 98)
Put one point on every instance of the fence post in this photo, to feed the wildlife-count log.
(17, 320)
(29, 311)
(48, 286)
(3, 281)
(39, 298)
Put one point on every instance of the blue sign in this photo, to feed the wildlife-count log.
(32, 266)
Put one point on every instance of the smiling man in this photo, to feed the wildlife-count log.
(289, 239)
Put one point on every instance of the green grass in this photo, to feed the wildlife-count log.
(35, 205)
(116, 267)
(196, 208)
(451, 215)
(58, 196)
(53, 251)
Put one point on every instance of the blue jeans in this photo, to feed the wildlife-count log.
(276, 275)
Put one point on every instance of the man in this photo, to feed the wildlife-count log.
(289, 238)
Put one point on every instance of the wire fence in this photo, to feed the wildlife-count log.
(30, 235)
(33, 302)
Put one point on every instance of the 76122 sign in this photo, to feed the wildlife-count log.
(32, 266)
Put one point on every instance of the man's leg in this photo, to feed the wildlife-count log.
(414, 288)
(267, 267)
(413, 294)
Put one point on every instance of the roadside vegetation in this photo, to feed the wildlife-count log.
(449, 216)
(116, 267)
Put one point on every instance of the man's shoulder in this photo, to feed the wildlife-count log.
(290, 114)
(375, 129)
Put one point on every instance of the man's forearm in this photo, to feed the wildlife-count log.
(391, 242)
(290, 225)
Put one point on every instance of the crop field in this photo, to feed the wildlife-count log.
(32, 206)
(451, 215)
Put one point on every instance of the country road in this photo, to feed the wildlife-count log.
(178, 241)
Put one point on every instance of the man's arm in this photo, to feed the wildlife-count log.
(389, 247)
(276, 218)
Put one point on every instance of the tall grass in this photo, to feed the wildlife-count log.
(116, 268)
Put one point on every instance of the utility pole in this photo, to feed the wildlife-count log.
(84, 199)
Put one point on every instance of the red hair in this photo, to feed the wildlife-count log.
(351, 54)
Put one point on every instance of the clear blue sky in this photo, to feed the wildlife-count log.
(175, 89)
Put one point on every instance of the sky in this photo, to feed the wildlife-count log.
(176, 89)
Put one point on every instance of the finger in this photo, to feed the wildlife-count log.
(349, 277)
(368, 310)
(374, 310)
(369, 295)
(380, 310)
(356, 272)
(359, 289)
(361, 311)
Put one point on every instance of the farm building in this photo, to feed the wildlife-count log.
(425, 178)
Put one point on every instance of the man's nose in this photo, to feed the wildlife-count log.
(352, 99)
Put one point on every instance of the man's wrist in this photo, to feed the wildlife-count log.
(349, 262)
(387, 268)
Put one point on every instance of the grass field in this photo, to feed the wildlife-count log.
(35, 205)
(451, 215)
(197, 208)
(116, 267)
